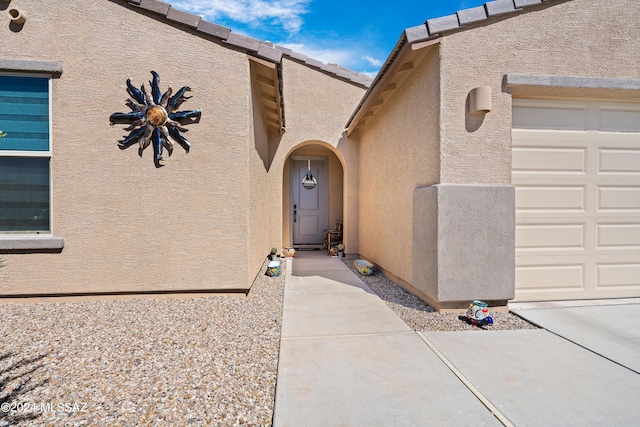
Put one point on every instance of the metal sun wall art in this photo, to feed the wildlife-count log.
(154, 119)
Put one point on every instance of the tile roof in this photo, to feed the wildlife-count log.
(434, 29)
(264, 50)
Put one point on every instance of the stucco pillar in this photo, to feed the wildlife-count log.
(464, 244)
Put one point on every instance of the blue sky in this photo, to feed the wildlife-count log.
(358, 34)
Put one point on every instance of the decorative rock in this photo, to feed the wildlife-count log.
(422, 317)
(144, 361)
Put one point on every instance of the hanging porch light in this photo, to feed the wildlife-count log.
(309, 182)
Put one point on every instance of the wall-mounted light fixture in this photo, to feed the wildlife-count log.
(17, 17)
(309, 182)
(480, 100)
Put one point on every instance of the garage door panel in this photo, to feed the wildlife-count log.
(619, 275)
(550, 198)
(619, 161)
(577, 199)
(620, 120)
(551, 276)
(545, 237)
(549, 160)
(543, 117)
(618, 236)
(618, 198)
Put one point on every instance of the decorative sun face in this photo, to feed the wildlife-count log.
(153, 118)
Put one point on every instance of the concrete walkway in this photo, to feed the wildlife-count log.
(347, 360)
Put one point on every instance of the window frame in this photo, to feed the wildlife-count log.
(20, 241)
(32, 154)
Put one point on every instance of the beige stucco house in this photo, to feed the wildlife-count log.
(495, 156)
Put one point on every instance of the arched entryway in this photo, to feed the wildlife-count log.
(308, 213)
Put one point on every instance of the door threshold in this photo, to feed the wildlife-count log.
(310, 247)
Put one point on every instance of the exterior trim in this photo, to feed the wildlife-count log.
(25, 244)
(26, 65)
(515, 81)
(545, 86)
(22, 242)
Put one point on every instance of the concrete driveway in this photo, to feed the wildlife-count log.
(610, 328)
(581, 368)
(347, 360)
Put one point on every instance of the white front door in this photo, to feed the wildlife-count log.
(310, 210)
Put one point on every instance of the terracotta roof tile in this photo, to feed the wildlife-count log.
(182, 17)
(243, 41)
(435, 27)
(438, 25)
(155, 6)
(284, 50)
(298, 56)
(416, 34)
(499, 7)
(213, 29)
(524, 3)
(269, 52)
(468, 16)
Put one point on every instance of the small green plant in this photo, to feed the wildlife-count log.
(273, 254)
(340, 247)
(2, 134)
(2, 262)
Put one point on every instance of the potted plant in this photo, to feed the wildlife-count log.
(341, 250)
(274, 254)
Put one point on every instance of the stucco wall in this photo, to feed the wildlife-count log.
(317, 106)
(576, 38)
(399, 152)
(127, 225)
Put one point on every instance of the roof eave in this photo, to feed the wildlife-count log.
(431, 32)
(264, 50)
(399, 61)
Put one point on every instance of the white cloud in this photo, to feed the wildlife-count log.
(345, 57)
(373, 61)
(371, 74)
(328, 56)
(285, 13)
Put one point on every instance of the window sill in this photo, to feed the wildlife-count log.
(31, 244)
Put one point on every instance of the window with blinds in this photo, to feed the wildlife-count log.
(25, 155)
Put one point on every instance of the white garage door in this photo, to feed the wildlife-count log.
(576, 170)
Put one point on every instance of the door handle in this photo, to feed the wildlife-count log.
(295, 212)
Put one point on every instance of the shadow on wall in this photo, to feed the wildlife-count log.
(16, 16)
(15, 382)
(266, 140)
(477, 105)
(473, 121)
(274, 143)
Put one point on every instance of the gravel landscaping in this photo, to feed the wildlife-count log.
(421, 316)
(145, 361)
